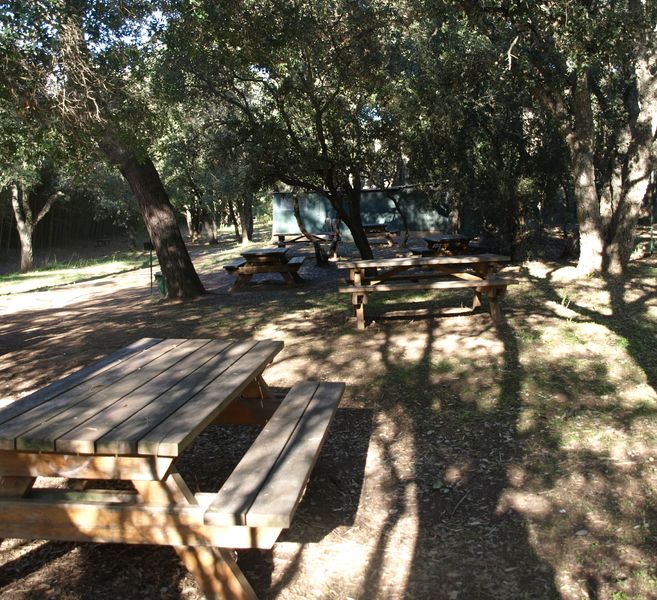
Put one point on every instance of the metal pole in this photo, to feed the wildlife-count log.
(151, 272)
(651, 246)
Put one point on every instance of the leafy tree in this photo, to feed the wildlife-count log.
(592, 66)
(308, 82)
(83, 66)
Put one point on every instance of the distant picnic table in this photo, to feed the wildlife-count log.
(478, 272)
(447, 244)
(378, 230)
(265, 260)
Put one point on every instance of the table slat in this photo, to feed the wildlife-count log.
(58, 387)
(173, 435)
(83, 438)
(40, 413)
(43, 436)
(124, 439)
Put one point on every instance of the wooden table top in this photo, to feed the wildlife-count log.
(153, 397)
(418, 261)
(374, 226)
(447, 237)
(264, 252)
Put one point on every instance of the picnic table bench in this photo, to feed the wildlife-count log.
(478, 272)
(264, 260)
(127, 418)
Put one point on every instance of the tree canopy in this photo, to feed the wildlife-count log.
(512, 112)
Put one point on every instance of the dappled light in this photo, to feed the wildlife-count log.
(462, 450)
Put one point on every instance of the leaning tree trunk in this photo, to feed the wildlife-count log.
(354, 222)
(144, 181)
(321, 258)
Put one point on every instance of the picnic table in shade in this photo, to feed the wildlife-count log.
(448, 244)
(378, 230)
(265, 260)
(476, 272)
(127, 418)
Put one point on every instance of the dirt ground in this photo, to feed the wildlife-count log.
(465, 462)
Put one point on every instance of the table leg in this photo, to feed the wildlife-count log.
(242, 279)
(214, 569)
(495, 312)
(359, 301)
(289, 279)
(476, 301)
(216, 572)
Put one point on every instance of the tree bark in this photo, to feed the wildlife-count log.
(26, 223)
(580, 141)
(638, 168)
(233, 218)
(144, 181)
(23, 215)
(246, 219)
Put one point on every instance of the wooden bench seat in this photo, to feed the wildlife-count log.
(266, 487)
(234, 265)
(398, 286)
(493, 287)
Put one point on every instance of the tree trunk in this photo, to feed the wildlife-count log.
(24, 226)
(581, 144)
(144, 181)
(402, 216)
(233, 218)
(246, 219)
(187, 213)
(352, 219)
(321, 258)
(638, 168)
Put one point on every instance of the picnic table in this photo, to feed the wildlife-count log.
(127, 418)
(376, 230)
(265, 260)
(478, 272)
(285, 239)
(448, 244)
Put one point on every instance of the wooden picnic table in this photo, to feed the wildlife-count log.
(448, 244)
(127, 418)
(265, 260)
(285, 239)
(377, 230)
(478, 272)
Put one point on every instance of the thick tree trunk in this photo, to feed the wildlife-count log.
(581, 144)
(144, 181)
(638, 168)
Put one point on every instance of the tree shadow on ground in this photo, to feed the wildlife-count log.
(484, 472)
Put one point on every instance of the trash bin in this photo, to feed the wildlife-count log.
(161, 283)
